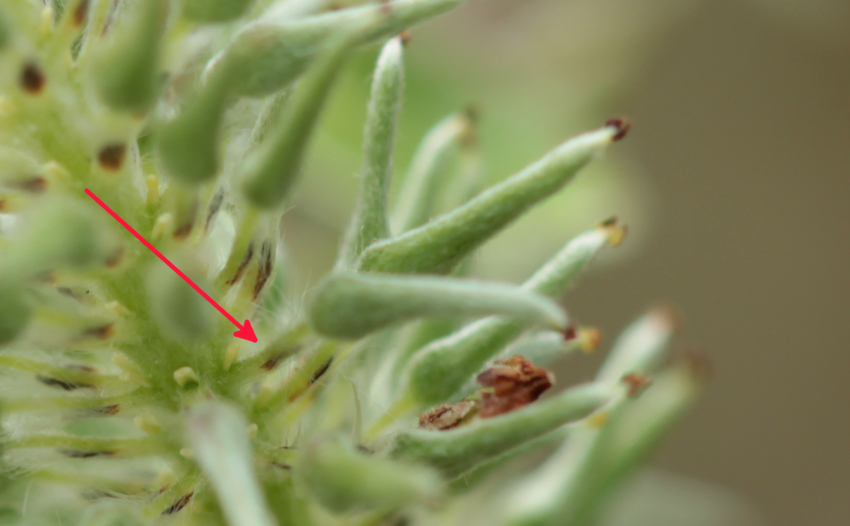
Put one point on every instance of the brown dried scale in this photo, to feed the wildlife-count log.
(446, 416)
(510, 384)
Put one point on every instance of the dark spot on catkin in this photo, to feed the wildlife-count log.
(35, 185)
(322, 370)
(249, 255)
(76, 453)
(115, 258)
(108, 410)
(100, 332)
(284, 353)
(111, 156)
(187, 221)
(81, 367)
(185, 229)
(32, 78)
(215, 206)
(264, 270)
(179, 504)
(65, 291)
(58, 383)
(80, 13)
(274, 361)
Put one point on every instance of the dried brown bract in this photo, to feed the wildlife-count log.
(446, 416)
(511, 384)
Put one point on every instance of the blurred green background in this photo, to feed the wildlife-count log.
(734, 183)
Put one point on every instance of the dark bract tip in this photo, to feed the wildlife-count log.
(111, 156)
(115, 257)
(32, 78)
(621, 125)
(100, 332)
(179, 504)
(35, 185)
(80, 13)
(108, 410)
(183, 230)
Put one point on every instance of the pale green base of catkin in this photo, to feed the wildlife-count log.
(125, 397)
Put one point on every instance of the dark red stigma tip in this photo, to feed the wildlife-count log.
(621, 125)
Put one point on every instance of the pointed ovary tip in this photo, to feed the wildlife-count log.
(621, 127)
(616, 232)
